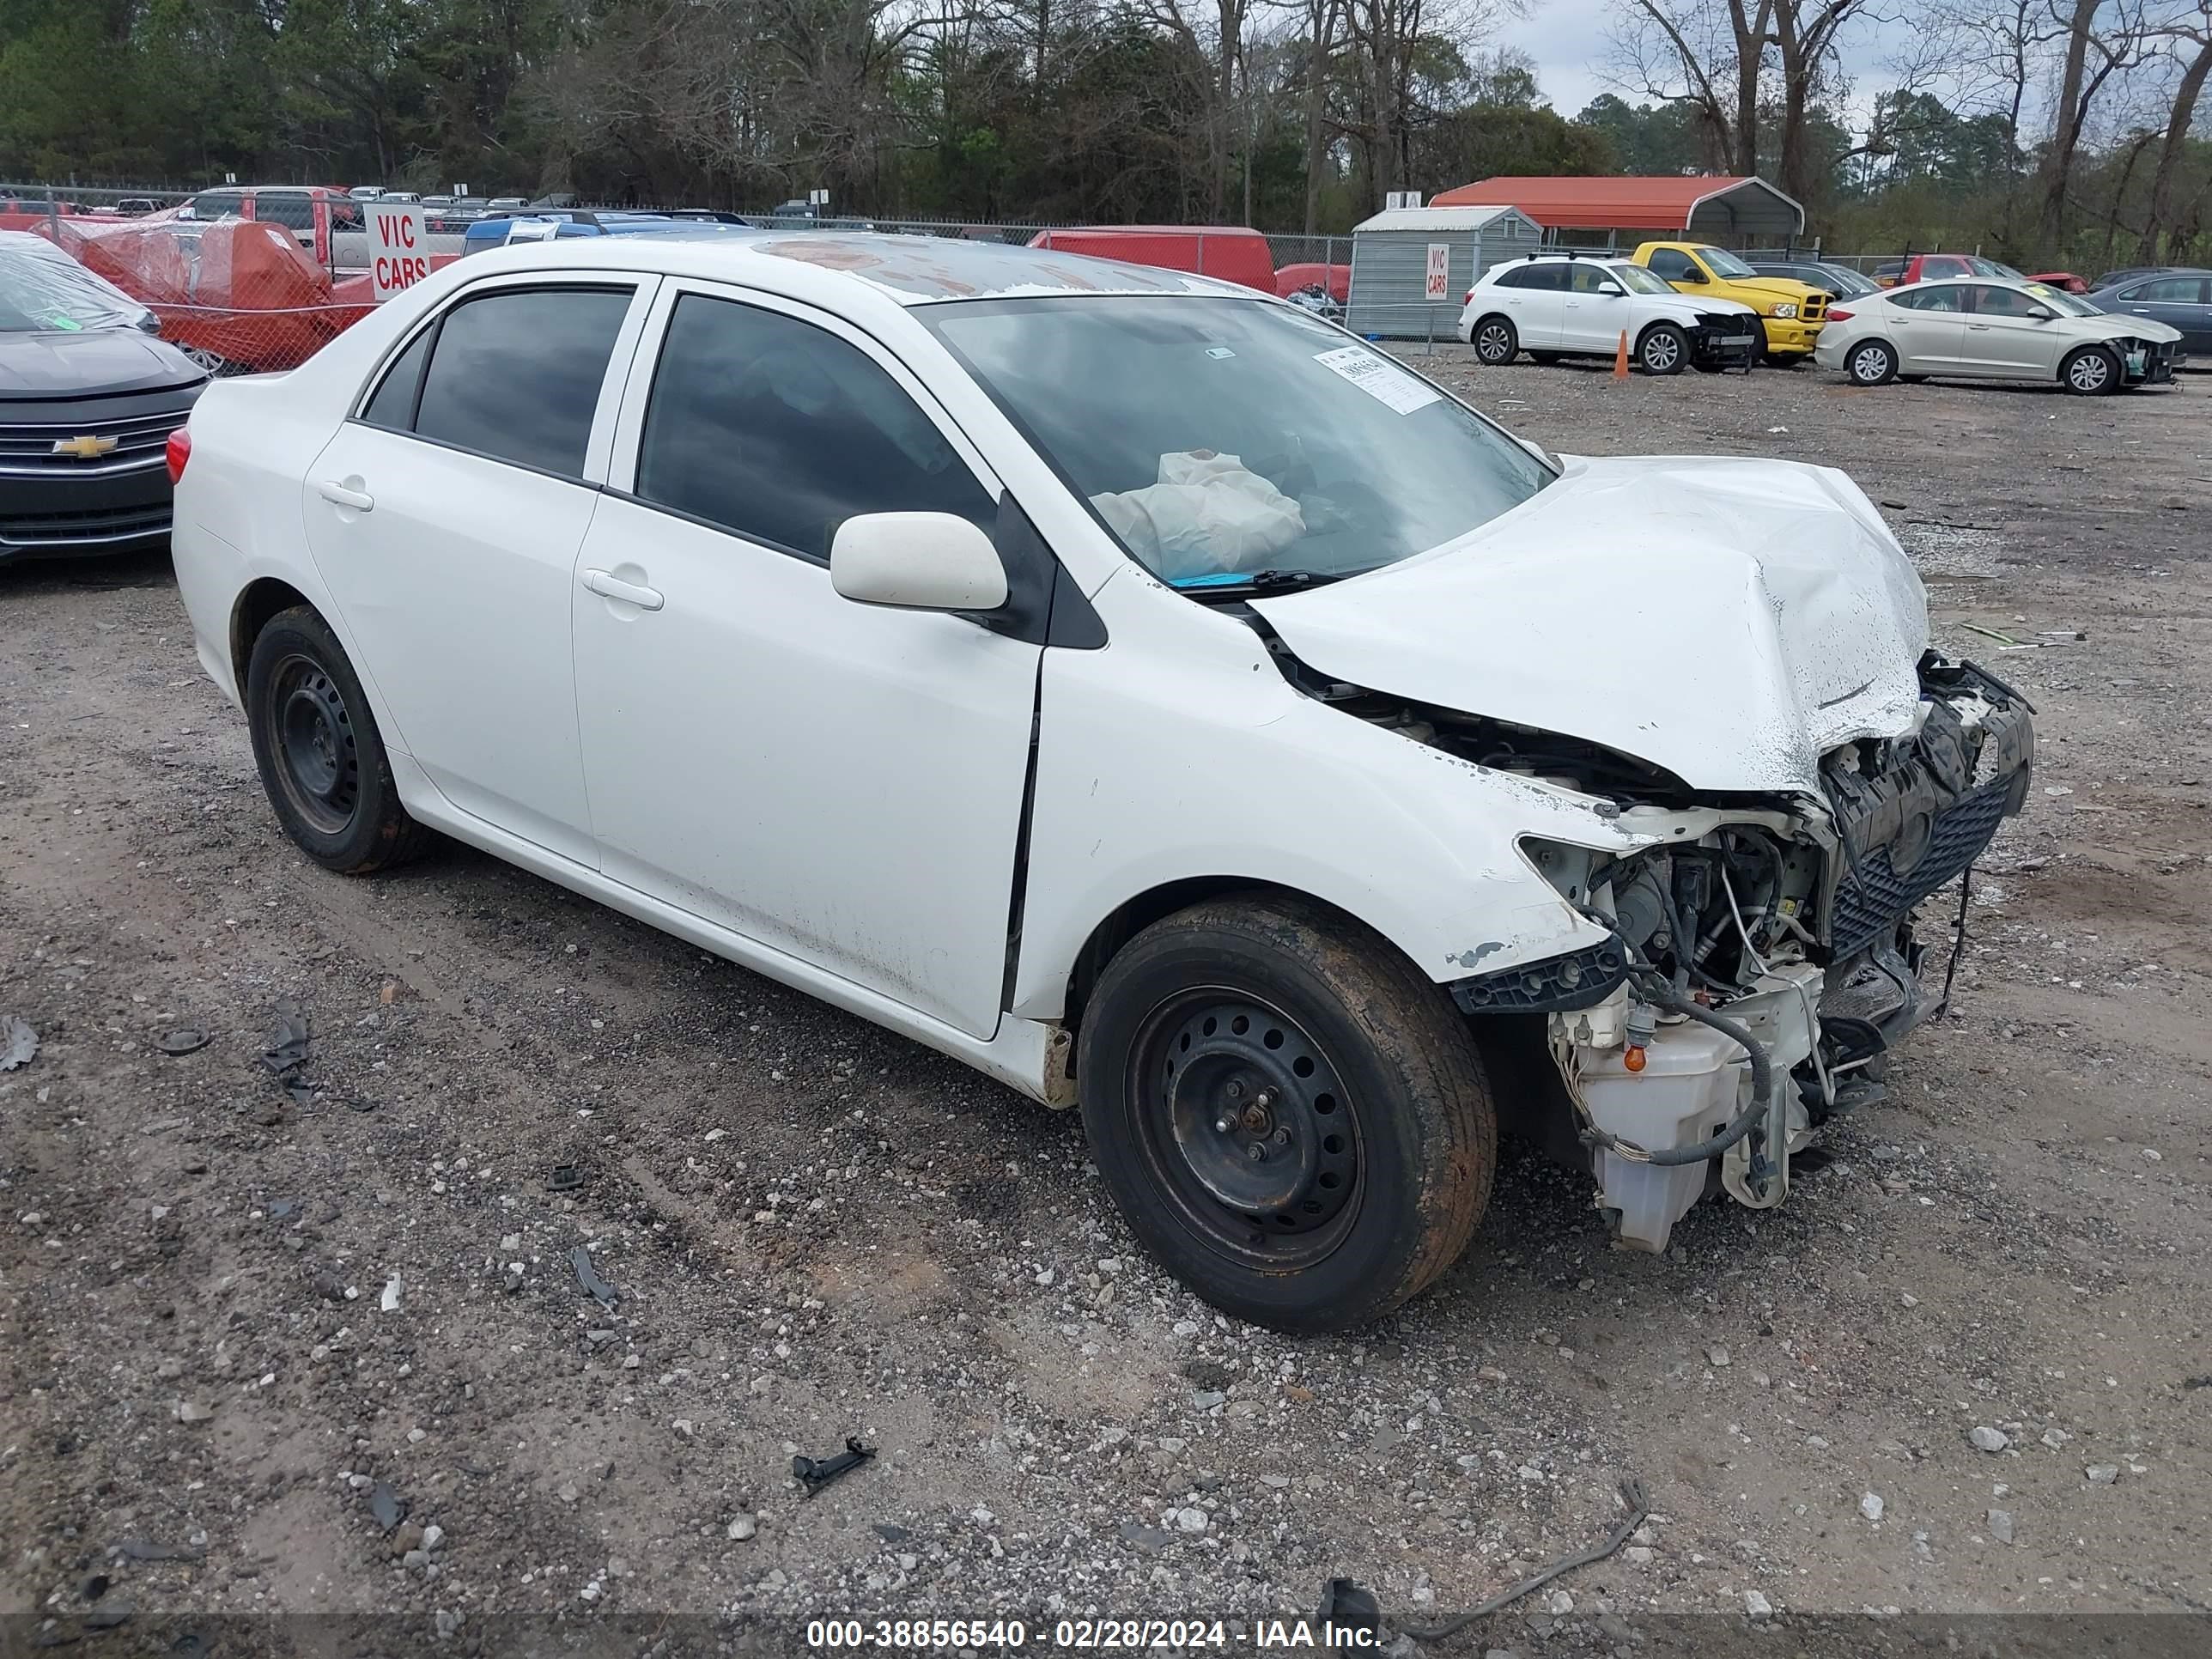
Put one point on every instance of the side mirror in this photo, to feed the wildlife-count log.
(1613, 290)
(2040, 313)
(1692, 274)
(916, 561)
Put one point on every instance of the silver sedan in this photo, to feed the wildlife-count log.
(1989, 328)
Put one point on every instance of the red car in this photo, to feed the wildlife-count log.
(1926, 267)
(2064, 281)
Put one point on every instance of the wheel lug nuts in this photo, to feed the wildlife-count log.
(1264, 1099)
(1282, 1137)
(1255, 1151)
(1235, 1090)
(1222, 1126)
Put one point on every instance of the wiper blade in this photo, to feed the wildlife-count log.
(1260, 581)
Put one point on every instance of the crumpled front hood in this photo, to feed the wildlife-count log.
(1730, 621)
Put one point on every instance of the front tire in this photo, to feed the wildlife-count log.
(1871, 362)
(1662, 351)
(2090, 373)
(1294, 1121)
(1495, 342)
(321, 759)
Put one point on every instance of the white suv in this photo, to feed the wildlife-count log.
(1556, 304)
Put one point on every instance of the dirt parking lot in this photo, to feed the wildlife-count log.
(322, 1350)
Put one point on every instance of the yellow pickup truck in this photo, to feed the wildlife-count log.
(1791, 311)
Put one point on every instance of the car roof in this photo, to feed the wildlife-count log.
(910, 270)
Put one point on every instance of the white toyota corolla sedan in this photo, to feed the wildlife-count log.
(1134, 686)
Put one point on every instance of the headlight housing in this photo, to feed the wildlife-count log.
(1787, 308)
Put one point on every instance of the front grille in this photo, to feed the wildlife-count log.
(26, 448)
(1873, 897)
(1815, 310)
(94, 525)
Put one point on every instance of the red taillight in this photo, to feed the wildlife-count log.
(1470, 298)
(178, 452)
(1837, 314)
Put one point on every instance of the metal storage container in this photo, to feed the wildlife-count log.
(1391, 259)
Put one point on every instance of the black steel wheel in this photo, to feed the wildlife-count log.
(1293, 1119)
(1495, 341)
(322, 761)
(1245, 1122)
(320, 758)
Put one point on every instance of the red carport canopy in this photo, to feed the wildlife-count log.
(1700, 206)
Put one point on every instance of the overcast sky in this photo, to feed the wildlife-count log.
(1567, 39)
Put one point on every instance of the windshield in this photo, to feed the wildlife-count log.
(43, 290)
(1722, 263)
(1636, 280)
(1220, 438)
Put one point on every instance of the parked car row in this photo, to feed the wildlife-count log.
(1714, 311)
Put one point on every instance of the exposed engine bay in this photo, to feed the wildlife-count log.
(1761, 960)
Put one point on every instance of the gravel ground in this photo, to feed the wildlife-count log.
(321, 1349)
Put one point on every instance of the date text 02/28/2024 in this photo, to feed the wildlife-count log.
(1124, 1635)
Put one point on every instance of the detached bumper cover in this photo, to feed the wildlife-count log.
(2150, 362)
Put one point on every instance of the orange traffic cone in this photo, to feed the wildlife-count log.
(1620, 358)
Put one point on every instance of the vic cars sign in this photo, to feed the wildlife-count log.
(399, 255)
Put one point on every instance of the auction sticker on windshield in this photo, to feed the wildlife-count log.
(1379, 378)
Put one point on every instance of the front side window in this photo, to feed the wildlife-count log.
(1636, 280)
(1986, 300)
(1219, 438)
(1590, 279)
(515, 374)
(1672, 264)
(293, 212)
(216, 205)
(779, 430)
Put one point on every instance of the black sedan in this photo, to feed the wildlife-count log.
(87, 400)
(2180, 298)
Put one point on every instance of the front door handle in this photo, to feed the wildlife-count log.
(613, 587)
(338, 496)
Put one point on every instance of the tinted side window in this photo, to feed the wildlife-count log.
(516, 374)
(778, 430)
(1589, 279)
(1515, 278)
(393, 404)
(2169, 290)
(1670, 265)
(216, 204)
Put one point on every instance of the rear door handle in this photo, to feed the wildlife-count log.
(338, 496)
(613, 587)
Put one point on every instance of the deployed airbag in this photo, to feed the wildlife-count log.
(1209, 513)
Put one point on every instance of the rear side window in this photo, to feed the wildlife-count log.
(293, 212)
(393, 404)
(516, 374)
(1927, 299)
(2169, 290)
(780, 431)
(1544, 278)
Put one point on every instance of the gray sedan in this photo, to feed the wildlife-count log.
(2180, 299)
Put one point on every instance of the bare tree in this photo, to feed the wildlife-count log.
(1707, 54)
(2183, 33)
(2104, 38)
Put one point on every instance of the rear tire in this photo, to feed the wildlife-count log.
(1871, 362)
(1662, 351)
(1294, 1119)
(2090, 372)
(1495, 342)
(322, 761)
